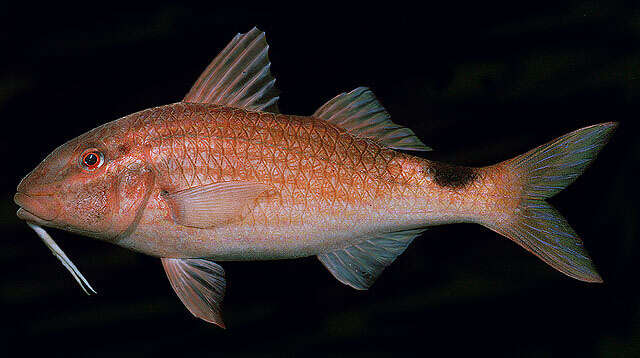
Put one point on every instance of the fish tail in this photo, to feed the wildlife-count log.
(524, 215)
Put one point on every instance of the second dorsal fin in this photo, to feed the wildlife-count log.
(360, 113)
(239, 76)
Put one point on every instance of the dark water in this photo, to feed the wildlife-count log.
(479, 83)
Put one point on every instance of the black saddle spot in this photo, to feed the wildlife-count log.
(452, 176)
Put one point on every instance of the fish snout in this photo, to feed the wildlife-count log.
(43, 207)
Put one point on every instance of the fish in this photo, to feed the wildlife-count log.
(223, 176)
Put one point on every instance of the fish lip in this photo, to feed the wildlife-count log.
(26, 215)
(33, 209)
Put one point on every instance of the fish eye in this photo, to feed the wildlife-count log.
(91, 159)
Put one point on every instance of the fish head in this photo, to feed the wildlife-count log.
(94, 185)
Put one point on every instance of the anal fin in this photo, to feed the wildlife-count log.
(360, 265)
(200, 285)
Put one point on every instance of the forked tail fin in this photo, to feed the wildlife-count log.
(541, 173)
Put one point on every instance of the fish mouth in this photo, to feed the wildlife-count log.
(25, 215)
(40, 209)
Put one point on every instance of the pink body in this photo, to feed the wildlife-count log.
(329, 189)
(222, 176)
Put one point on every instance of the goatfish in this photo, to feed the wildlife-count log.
(222, 175)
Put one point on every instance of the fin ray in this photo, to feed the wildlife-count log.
(200, 285)
(541, 230)
(359, 265)
(213, 204)
(542, 172)
(548, 169)
(239, 76)
(360, 113)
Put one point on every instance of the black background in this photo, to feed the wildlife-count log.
(479, 82)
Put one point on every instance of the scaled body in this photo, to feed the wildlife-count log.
(222, 175)
(327, 189)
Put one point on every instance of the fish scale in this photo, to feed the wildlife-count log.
(309, 178)
(222, 175)
(181, 146)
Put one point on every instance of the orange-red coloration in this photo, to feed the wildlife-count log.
(216, 177)
(327, 188)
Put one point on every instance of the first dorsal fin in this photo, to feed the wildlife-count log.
(360, 113)
(239, 76)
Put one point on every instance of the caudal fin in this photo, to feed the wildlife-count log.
(542, 172)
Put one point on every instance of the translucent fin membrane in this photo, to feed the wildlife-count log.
(239, 76)
(541, 230)
(360, 113)
(200, 285)
(542, 172)
(360, 265)
(214, 204)
(57, 252)
(553, 166)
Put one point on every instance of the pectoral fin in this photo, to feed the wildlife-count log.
(214, 204)
(200, 285)
(359, 265)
